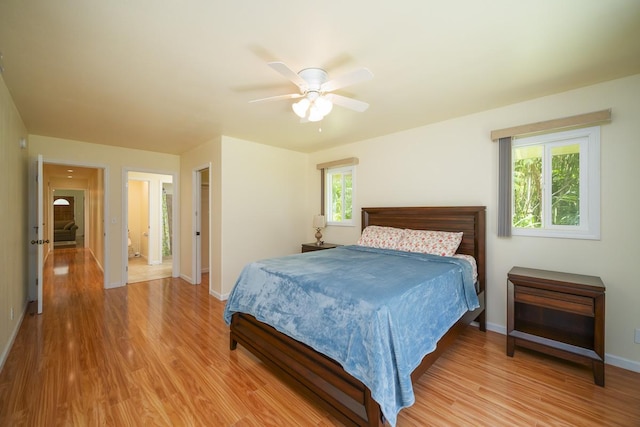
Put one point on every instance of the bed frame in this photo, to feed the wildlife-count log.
(323, 379)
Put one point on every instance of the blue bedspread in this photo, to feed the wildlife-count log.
(376, 312)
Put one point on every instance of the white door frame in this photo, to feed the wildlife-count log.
(36, 200)
(175, 223)
(196, 224)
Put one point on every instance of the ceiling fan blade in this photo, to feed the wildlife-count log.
(287, 72)
(278, 97)
(350, 103)
(357, 76)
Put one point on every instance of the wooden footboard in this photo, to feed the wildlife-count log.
(320, 377)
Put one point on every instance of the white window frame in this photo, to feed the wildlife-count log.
(328, 196)
(589, 142)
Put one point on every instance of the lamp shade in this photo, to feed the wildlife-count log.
(301, 107)
(318, 221)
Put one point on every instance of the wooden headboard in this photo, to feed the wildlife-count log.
(468, 219)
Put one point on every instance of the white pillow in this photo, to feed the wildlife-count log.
(430, 242)
(375, 236)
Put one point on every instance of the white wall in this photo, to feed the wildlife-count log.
(454, 163)
(14, 222)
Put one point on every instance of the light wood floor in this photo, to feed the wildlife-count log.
(140, 271)
(157, 353)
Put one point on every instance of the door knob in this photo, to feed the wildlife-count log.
(39, 242)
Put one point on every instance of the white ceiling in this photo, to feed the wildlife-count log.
(167, 76)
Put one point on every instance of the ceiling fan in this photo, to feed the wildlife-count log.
(315, 91)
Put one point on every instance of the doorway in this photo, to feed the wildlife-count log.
(68, 218)
(201, 225)
(85, 183)
(150, 226)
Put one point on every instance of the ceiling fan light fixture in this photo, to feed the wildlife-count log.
(314, 114)
(301, 107)
(324, 105)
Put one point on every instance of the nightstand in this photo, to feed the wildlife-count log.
(560, 314)
(309, 247)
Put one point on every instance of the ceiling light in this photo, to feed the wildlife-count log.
(301, 107)
(324, 105)
(314, 107)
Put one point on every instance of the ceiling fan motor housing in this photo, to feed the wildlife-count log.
(315, 78)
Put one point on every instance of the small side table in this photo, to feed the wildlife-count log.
(561, 314)
(309, 247)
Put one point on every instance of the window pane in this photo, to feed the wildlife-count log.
(339, 196)
(336, 197)
(348, 196)
(527, 186)
(565, 185)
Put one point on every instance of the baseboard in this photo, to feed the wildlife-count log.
(621, 362)
(186, 278)
(14, 334)
(96, 260)
(494, 327)
(609, 359)
(221, 297)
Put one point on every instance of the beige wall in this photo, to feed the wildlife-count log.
(263, 204)
(95, 205)
(454, 163)
(114, 160)
(137, 215)
(13, 221)
(258, 205)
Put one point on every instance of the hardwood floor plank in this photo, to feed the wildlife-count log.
(157, 353)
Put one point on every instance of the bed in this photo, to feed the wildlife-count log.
(339, 387)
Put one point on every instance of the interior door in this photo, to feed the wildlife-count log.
(197, 276)
(36, 252)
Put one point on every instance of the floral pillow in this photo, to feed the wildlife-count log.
(375, 236)
(430, 242)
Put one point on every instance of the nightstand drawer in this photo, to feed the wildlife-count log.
(555, 300)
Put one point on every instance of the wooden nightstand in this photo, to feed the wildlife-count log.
(309, 247)
(560, 314)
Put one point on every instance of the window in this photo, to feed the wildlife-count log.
(556, 184)
(339, 195)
